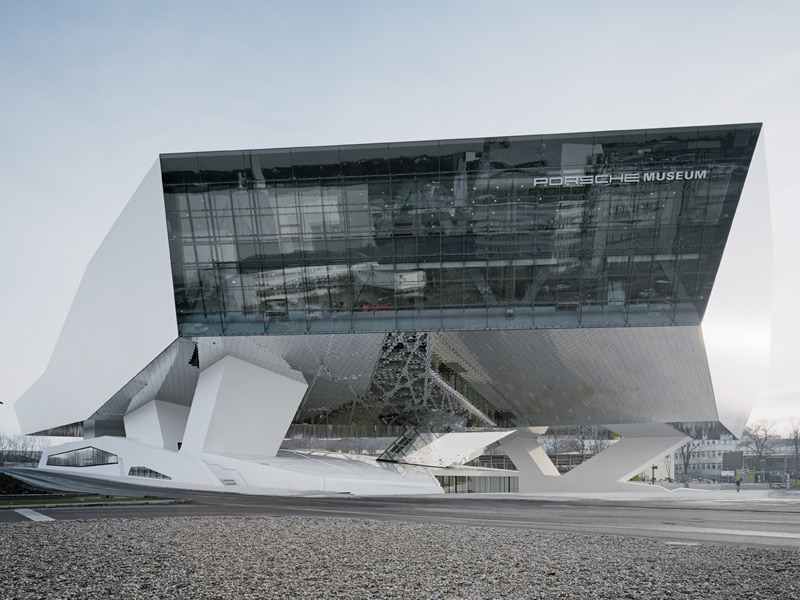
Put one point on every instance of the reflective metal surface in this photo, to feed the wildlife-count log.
(586, 376)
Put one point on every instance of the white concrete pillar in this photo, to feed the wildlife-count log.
(241, 409)
(157, 424)
(534, 466)
(640, 445)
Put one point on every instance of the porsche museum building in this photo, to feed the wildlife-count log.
(465, 293)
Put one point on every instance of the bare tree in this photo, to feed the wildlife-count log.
(684, 456)
(596, 446)
(25, 446)
(794, 436)
(554, 443)
(582, 442)
(40, 443)
(759, 438)
(21, 448)
(669, 462)
(12, 447)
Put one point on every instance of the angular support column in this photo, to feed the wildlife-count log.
(240, 409)
(157, 424)
(610, 470)
(534, 466)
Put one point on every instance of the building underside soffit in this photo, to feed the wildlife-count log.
(586, 376)
(338, 368)
(405, 392)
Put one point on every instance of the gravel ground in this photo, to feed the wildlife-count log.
(271, 557)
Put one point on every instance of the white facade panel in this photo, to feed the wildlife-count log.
(158, 424)
(738, 322)
(172, 419)
(241, 409)
(296, 473)
(122, 317)
(142, 426)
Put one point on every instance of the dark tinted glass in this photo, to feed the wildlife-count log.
(179, 169)
(414, 157)
(270, 164)
(581, 230)
(314, 163)
(222, 167)
(359, 161)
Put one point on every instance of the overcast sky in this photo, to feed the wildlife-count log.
(93, 91)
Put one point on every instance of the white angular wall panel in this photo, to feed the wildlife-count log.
(122, 317)
(529, 457)
(610, 470)
(158, 424)
(455, 448)
(172, 419)
(738, 322)
(142, 426)
(241, 409)
(189, 471)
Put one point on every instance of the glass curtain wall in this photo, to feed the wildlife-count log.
(593, 230)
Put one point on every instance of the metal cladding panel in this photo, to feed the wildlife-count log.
(587, 376)
(337, 368)
(168, 378)
(737, 325)
(122, 316)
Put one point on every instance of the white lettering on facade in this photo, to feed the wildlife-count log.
(610, 178)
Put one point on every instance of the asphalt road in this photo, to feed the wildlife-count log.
(744, 519)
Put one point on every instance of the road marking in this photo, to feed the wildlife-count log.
(33, 515)
(743, 532)
(682, 543)
(781, 522)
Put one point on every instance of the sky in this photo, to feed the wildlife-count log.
(92, 92)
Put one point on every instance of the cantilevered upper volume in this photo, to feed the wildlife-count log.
(584, 230)
(502, 282)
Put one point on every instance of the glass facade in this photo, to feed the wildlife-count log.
(146, 472)
(582, 230)
(82, 457)
(478, 484)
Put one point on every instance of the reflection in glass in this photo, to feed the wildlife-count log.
(82, 457)
(499, 233)
(146, 472)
